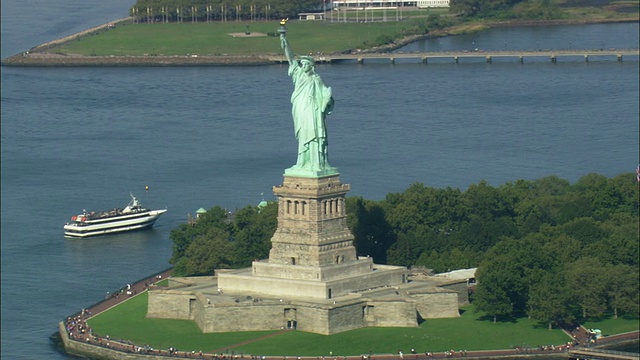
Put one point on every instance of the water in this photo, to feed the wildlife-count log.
(75, 138)
(537, 38)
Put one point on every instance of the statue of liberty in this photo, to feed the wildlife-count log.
(311, 102)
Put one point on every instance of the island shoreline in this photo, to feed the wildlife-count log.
(39, 56)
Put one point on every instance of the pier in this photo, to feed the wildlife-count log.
(462, 56)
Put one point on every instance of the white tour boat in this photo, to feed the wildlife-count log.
(132, 217)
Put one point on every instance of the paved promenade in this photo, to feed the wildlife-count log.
(78, 330)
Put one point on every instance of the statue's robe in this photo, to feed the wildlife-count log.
(311, 101)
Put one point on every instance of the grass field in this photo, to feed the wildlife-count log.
(218, 38)
(471, 331)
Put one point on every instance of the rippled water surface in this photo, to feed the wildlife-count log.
(75, 138)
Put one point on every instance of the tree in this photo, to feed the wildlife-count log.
(550, 301)
(621, 246)
(509, 270)
(195, 10)
(407, 250)
(587, 283)
(558, 250)
(490, 216)
(467, 8)
(571, 206)
(586, 230)
(253, 229)
(608, 196)
(436, 262)
(550, 186)
(491, 295)
(536, 9)
(209, 251)
(622, 288)
(186, 233)
(373, 234)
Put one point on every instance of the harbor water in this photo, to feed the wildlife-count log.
(84, 138)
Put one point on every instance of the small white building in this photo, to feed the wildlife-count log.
(422, 4)
(311, 16)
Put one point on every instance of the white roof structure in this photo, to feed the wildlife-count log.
(461, 274)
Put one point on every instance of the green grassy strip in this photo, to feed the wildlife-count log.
(611, 326)
(127, 321)
(471, 331)
(216, 38)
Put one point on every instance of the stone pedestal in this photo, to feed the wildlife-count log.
(312, 253)
(312, 281)
(312, 223)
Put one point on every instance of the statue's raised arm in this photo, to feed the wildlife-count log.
(311, 102)
(284, 43)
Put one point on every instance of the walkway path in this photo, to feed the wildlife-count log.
(76, 324)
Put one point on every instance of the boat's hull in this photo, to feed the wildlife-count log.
(112, 225)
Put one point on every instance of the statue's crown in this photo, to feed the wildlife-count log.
(283, 22)
(307, 58)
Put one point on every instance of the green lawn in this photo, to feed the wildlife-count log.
(611, 326)
(471, 331)
(328, 36)
(215, 38)
(127, 322)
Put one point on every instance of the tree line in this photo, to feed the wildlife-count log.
(510, 9)
(555, 251)
(220, 10)
(265, 10)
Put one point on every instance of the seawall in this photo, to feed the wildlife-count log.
(39, 56)
(56, 60)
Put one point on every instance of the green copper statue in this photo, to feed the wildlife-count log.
(311, 103)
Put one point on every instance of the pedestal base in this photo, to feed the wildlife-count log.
(307, 173)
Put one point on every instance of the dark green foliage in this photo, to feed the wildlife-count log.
(373, 235)
(550, 302)
(201, 10)
(207, 252)
(536, 10)
(585, 230)
(383, 39)
(437, 22)
(506, 9)
(218, 240)
(253, 230)
(183, 236)
(555, 251)
(587, 284)
(580, 259)
(621, 246)
(622, 284)
(535, 231)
